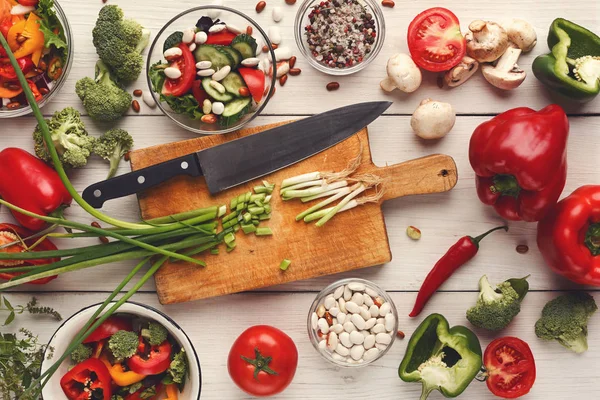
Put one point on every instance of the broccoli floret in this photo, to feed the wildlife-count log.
(81, 353)
(155, 334)
(565, 320)
(123, 344)
(178, 369)
(112, 146)
(103, 98)
(71, 140)
(496, 307)
(119, 43)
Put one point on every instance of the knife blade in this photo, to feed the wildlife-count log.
(247, 158)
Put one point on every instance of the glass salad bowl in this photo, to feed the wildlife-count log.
(48, 87)
(226, 42)
(366, 30)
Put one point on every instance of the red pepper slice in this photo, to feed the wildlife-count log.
(187, 65)
(199, 94)
(108, 328)
(87, 380)
(157, 361)
(36, 92)
(223, 38)
(7, 71)
(7, 233)
(255, 81)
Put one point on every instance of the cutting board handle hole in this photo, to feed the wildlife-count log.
(444, 172)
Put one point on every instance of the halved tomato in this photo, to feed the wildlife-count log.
(255, 81)
(199, 94)
(435, 41)
(187, 65)
(223, 38)
(510, 367)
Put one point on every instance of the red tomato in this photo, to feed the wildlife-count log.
(510, 367)
(262, 361)
(255, 81)
(108, 328)
(223, 38)
(157, 361)
(435, 41)
(28, 3)
(89, 379)
(187, 65)
(199, 94)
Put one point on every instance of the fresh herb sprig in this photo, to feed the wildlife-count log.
(31, 307)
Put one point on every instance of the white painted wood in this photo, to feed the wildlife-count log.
(474, 97)
(560, 373)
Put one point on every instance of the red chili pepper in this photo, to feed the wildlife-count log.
(87, 380)
(29, 183)
(464, 250)
(7, 71)
(36, 92)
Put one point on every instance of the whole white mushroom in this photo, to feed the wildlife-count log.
(433, 119)
(403, 74)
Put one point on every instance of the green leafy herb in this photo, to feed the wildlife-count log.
(177, 370)
(31, 307)
(187, 105)
(148, 393)
(50, 24)
(133, 388)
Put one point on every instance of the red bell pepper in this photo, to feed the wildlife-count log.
(109, 327)
(569, 236)
(8, 234)
(156, 361)
(520, 161)
(87, 380)
(29, 183)
(7, 71)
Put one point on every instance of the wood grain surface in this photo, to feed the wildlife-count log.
(352, 240)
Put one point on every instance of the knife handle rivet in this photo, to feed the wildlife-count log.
(97, 193)
(184, 165)
(141, 179)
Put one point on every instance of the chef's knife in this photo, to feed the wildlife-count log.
(247, 158)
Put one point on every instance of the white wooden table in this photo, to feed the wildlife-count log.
(214, 324)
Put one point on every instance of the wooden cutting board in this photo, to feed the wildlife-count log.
(353, 239)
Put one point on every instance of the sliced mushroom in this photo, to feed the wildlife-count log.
(521, 33)
(403, 74)
(460, 73)
(505, 73)
(486, 41)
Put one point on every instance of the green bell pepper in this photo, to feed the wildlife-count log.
(573, 67)
(441, 358)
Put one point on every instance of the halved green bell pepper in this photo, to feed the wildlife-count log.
(441, 358)
(573, 67)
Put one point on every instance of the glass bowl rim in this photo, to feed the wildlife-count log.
(329, 290)
(156, 96)
(298, 35)
(60, 82)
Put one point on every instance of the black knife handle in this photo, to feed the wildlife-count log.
(137, 181)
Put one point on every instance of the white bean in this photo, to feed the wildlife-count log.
(217, 86)
(365, 333)
(345, 339)
(374, 310)
(332, 341)
(233, 29)
(313, 318)
(192, 46)
(381, 347)
(172, 73)
(378, 328)
(367, 300)
(352, 307)
(358, 299)
(358, 321)
(379, 320)
(370, 323)
(282, 69)
(338, 357)
(389, 322)
(173, 52)
(149, 99)
(274, 34)
(339, 292)
(371, 354)
(356, 337)
(356, 352)
(329, 302)
(369, 342)
(203, 65)
(218, 108)
(205, 72)
(349, 326)
(383, 338)
(323, 326)
(342, 350)
(371, 292)
(341, 317)
(323, 344)
(277, 14)
(385, 309)
(201, 37)
(217, 28)
(342, 305)
(337, 328)
(334, 311)
(222, 73)
(347, 293)
(356, 286)
(188, 36)
(365, 314)
(284, 53)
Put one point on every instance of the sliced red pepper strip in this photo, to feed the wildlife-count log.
(157, 361)
(87, 380)
(8, 72)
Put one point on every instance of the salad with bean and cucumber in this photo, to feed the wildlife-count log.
(210, 73)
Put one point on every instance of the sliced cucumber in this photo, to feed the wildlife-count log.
(215, 54)
(245, 44)
(235, 55)
(233, 82)
(234, 110)
(213, 93)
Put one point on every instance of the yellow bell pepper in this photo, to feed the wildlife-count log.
(172, 392)
(33, 42)
(8, 93)
(119, 375)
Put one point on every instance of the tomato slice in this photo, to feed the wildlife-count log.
(435, 41)
(29, 3)
(187, 65)
(155, 362)
(255, 81)
(223, 38)
(108, 328)
(199, 94)
(510, 367)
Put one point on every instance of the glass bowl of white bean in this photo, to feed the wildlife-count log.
(352, 323)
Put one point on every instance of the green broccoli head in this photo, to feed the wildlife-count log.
(119, 43)
(81, 353)
(496, 307)
(565, 320)
(70, 139)
(155, 334)
(103, 98)
(112, 146)
(123, 344)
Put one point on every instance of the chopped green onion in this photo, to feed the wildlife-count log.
(260, 196)
(222, 211)
(233, 203)
(325, 194)
(291, 194)
(229, 238)
(300, 178)
(256, 210)
(284, 264)
(214, 251)
(241, 207)
(229, 217)
(247, 198)
(230, 249)
(263, 231)
(247, 229)
(264, 217)
(236, 227)
(247, 217)
(267, 199)
(302, 185)
(267, 209)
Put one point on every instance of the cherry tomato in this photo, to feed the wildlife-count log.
(187, 65)
(255, 81)
(435, 41)
(199, 94)
(510, 367)
(262, 361)
(108, 328)
(223, 38)
(155, 362)
(29, 3)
